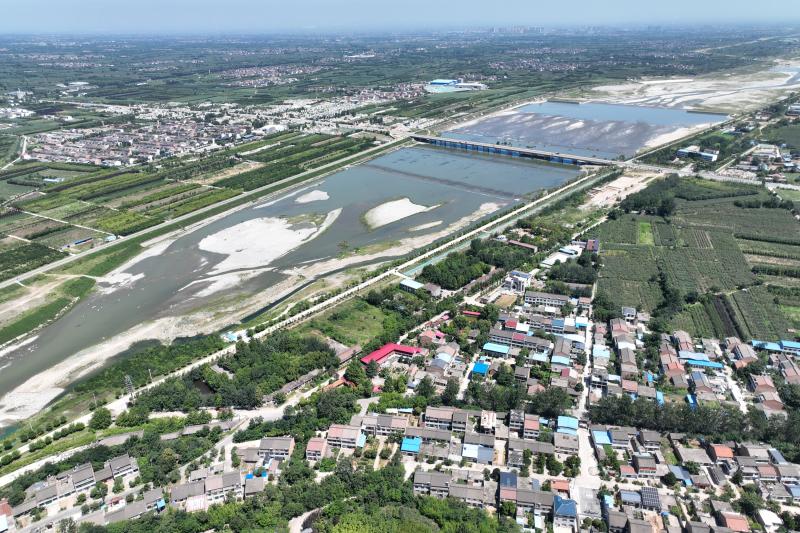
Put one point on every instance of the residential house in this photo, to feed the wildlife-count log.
(435, 484)
(439, 417)
(565, 513)
(345, 436)
(650, 440)
(645, 465)
(565, 443)
(279, 448)
(122, 466)
(721, 454)
(316, 449)
(760, 384)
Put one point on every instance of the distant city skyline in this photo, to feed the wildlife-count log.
(269, 16)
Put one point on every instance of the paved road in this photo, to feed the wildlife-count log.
(735, 389)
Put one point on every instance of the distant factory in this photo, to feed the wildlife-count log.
(452, 86)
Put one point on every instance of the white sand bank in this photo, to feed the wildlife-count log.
(314, 196)
(394, 211)
(429, 225)
(259, 241)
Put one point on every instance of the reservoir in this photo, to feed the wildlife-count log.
(590, 129)
(361, 215)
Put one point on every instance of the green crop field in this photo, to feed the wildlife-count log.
(698, 249)
(645, 235)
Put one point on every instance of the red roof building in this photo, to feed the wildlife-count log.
(389, 349)
(736, 522)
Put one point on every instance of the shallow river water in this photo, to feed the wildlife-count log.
(197, 266)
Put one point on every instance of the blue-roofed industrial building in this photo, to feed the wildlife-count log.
(411, 445)
(765, 345)
(792, 347)
(704, 364)
(494, 349)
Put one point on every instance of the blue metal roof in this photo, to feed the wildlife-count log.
(601, 438)
(508, 479)
(777, 457)
(560, 360)
(565, 507)
(480, 368)
(629, 496)
(680, 472)
(608, 501)
(497, 348)
(470, 451)
(659, 397)
(568, 422)
(792, 345)
(698, 356)
(411, 444)
(411, 284)
(764, 345)
(704, 364)
(567, 431)
(539, 357)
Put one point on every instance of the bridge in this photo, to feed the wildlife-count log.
(531, 153)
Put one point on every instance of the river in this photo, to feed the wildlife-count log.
(419, 192)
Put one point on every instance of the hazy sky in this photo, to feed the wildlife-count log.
(192, 16)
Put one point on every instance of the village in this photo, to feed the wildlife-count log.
(551, 469)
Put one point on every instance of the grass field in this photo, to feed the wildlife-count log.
(790, 135)
(645, 234)
(354, 322)
(792, 312)
(789, 194)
